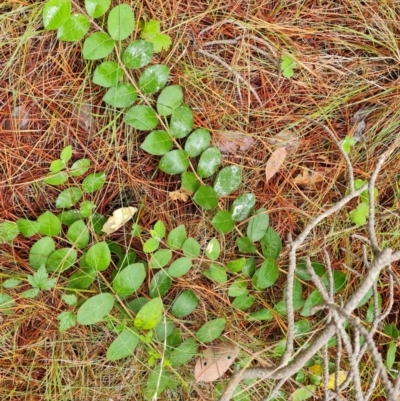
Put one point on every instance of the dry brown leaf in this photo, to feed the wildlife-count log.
(118, 219)
(275, 162)
(215, 362)
(230, 141)
(286, 139)
(180, 195)
(21, 116)
(308, 178)
(83, 114)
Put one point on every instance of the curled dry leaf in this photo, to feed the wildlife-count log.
(275, 162)
(118, 219)
(180, 195)
(309, 179)
(215, 362)
(230, 141)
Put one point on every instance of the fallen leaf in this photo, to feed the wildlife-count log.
(180, 195)
(308, 178)
(215, 362)
(118, 219)
(21, 116)
(83, 114)
(275, 162)
(332, 379)
(230, 141)
(286, 139)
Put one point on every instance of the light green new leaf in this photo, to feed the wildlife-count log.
(258, 225)
(160, 258)
(228, 180)
(95, 309)
(169, 99)
(154, 78)
(141, 117)
(98, 257)
(174, 162)
(149, 315)
(391, 354)
(211, 330)
(176, 237)
(181, 122)
(151, 32)
(57, 165)
(96, 8)
(67, 319)
(74, 29)
(66, 154)
(151, 245)
(40, 251)
(206, 197)
(209, 162)
(347, 144)
(56, 13)
(213, 249)
(97, 45)
(11, 283)
(6, 302)
(223, 222)
(56, 179)
(80, 167)
(242, 206)
(157, 143)
(78, 234)
(180, 267)
(303, 393)
(121, 22)
(185, 304)
(191, 248)
(8, 232)
(70, 299)
(93, 182)
(107, 74)
(123, 345)
(121, 95)
(49, 224)
(61, 260)
(41, 280)
(68, 197)
(137, 54)
(287, 66)
(197, 142)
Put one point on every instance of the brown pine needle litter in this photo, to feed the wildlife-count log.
(226, 56)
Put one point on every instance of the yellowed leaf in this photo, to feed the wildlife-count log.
(332, 379)
(214, 362)
(275, 162)
(308, 178)
(118, 219)
(180, 195)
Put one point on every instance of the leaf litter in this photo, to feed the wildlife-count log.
(231, 141)
(118, 219)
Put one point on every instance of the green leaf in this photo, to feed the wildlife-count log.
(189, 181)
(121, 95)
(169, 99)
(174, 162)
(164, 329)
(70, 299)
(11, 283)
(176, 237)
(211, 330)
(8, 232)
(66, 154)
(301, 270)
(158, 380)
(56, 13)
(315, 298)
(191, 248)
(137, 54)
(56, 179)
(74, 29)
(82, 279)
(184, 353)
(32, 293)
(97, 45)
(181, 122)
(242, 206)
(40, 280)
(151, 245)
(268, 274)
(160, 258)
(185, 304)
(258, 225)
(303, 393)
(95, 309)
(249, 267)
(213, 249)
(392, 331)
(180, 267)
(61, 260)
(141, 117)
(347, 144)
(98, 256)
(287, 65)
(262, 314)
(209, 162)
(68, 217)
(6, 302)
(93, 182)
(301, 327)
(68, 197)
(236, 265)
(123, 346)
(96, 8)
(245, 245)
(78, 234)
(154, 78)
(56, 166)
(228, 180)
(243, 302)
(339, 280)
(80, 167)
(136, 230)
(49, 224)
(206, 197)
(107, 74)
(129, 280)
(238, 288)
(158, 231)
(149, 315)
(121, 22)
(391, 355)
(197, 142)
(98, 221)
(151, 32)
(223, 222)
(216, 273)
(157, 143)
(360, 214)
(271, 244)
(160, 284)
(67, 319)
(40, 251)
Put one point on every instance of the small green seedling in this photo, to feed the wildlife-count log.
(287, 66)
